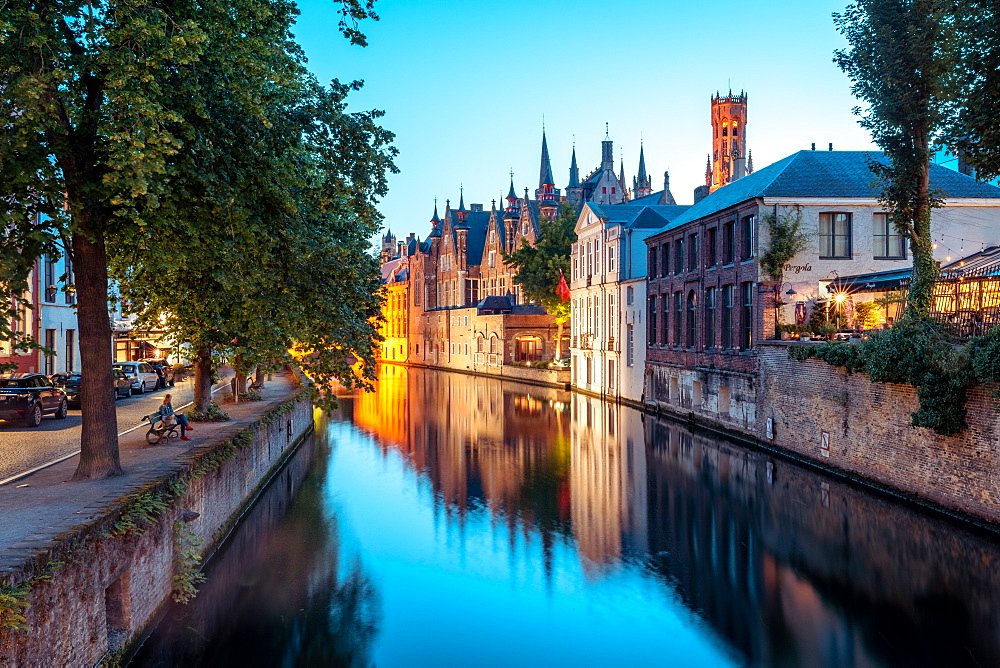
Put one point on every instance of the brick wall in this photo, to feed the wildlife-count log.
(103, 591)
(868, 433)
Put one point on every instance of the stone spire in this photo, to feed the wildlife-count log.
(545, 170)
(574, 172)
(642, 185)
(708, 171)
(749, 162)
(436, 219)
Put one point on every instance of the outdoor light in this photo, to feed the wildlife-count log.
(791, 292)
(840, 298)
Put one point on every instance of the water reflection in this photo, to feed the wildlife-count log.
(457, 520)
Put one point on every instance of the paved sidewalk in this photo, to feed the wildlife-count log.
(39, 507)
(23, 449)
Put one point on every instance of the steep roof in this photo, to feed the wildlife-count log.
(815, 174)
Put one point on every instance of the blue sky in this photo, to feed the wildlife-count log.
(465, 86)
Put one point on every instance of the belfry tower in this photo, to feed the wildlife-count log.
(729, 151)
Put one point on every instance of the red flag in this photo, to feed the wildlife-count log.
(562, 290)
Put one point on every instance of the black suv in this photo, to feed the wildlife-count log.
(29, 396)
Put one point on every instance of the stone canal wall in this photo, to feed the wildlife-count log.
(849, 423)
(96, 589)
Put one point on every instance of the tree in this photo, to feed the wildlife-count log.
(97, 98)
(972, 129)
(785, 240)
(541, 267)
(275, 201)
(900, 56)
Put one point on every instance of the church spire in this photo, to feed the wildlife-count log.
(436, 218)
(708, 170)
(642, 185)
(574, 172)
(545, 170)
(642, 164)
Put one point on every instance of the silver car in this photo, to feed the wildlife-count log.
(141, 375)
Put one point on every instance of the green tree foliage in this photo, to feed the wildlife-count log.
(900, 57)
(972, 131)
(538, 267)
(264, 243)
(785, 240)
(108, 100)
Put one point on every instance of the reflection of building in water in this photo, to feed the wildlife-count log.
(480, 442)
(792, 568)
(608, 479)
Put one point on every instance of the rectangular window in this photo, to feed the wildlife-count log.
(678, 317)
(665, 259)
(70, 350)
(889, 243)
(629, 295)
(492, 258)
(679, 256)
(692, 252)
(611, 258)
(50, 355)
(747, 232)
(835, 236)
(692, 324)
(746, 340)
(629, 345)
(665, 330)
(50, 279)
(710, 318)
(728, 242)
(651, 270)
(711, 241)
(727, 316)
(70, 282)
(651, 321)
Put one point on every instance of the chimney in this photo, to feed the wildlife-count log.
(476, 207)
(831, 146)
(700, 193)
(814, 146)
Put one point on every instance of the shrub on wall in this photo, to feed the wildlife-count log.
(922, 354)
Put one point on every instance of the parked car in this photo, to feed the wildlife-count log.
(162, 370)
(72, 383)
(140, 374)
(29, 396)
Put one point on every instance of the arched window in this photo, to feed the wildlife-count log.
(736, 128)
(493, 344)
(692, 327)
(725, 127)
(480, 344)
(735, 150)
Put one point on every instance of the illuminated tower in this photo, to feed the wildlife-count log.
(729, 151)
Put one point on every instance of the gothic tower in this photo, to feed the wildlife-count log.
(729, 152)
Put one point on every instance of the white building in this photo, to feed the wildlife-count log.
(608, 295)
(57, 328)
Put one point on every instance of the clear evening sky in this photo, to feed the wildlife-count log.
(465, 86)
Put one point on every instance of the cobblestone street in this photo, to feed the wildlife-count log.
(23, 449)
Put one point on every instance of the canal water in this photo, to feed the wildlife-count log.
(451, 520)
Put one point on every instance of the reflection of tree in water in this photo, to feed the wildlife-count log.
(277, 595)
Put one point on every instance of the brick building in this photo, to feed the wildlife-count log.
(708, 301)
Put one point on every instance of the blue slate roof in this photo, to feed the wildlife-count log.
(826, 174)
(476, 222)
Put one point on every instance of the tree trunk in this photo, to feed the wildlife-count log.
(925, 268)
(99, 432)
(202, 379)
(240, 387)
(258, 376)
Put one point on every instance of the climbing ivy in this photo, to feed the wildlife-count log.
(187, 574)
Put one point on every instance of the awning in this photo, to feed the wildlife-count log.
(881, 281)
